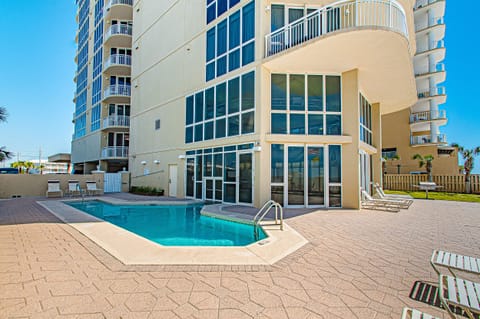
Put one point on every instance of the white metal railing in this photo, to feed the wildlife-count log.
(341, 15)
(115, 2)
(122, 90)
(423, 3)
(262, 212)
(125, 29)
(115, 152)
(118, 59)
(430, 23)
(428, 139)
(432, 45)
(116, 120)
(439, 67)
(435, 91)
(427, 116)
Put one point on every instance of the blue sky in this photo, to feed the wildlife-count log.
(37, 68)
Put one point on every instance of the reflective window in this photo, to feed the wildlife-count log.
(279, 123)
(297, 92)
(277, 167)
(279, 91)
(333, 93)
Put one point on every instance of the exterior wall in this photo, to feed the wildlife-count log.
(169, 66)
(36, 185)
(396, 133)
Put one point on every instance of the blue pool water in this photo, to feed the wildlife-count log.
(172, 225)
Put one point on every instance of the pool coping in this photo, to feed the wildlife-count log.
(132, 249)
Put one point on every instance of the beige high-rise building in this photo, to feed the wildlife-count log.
(242, 101)
(102, 98)
(417, 130)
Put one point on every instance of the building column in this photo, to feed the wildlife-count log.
(350, 156)
(377, 174)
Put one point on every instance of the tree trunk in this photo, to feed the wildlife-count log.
(468, 185)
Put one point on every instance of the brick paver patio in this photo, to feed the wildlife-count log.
(357, 265)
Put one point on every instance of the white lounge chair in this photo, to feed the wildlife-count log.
(74, 188)
(460, 293)
(92, 188)
(53, 189)
(402, 200)
(368, 202)
(409, 313)
(381, 193)
(453, 261)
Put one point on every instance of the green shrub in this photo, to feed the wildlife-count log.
(146, 190)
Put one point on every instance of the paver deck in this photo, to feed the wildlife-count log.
(357, 265)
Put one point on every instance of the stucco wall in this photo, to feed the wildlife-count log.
(36, 185)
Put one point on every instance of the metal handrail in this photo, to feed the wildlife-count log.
(262, 212)
(341, 15)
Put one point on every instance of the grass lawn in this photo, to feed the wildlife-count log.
(441, 196)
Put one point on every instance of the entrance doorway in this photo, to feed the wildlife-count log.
(172, 180)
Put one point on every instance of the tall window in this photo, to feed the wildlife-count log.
(306, 104)
(365, 121)
(216, 8)
(231, 43)
(227, 109)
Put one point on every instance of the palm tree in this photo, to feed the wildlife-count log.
(19, 165)
(3, 114)
(468, 162)
(425, 161)
(384, 162)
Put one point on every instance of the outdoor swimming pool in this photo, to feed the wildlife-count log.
(172, 225)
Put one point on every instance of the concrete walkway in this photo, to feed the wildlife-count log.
(357, 265)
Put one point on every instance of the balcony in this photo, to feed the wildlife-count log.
(118, 64)
(116, 121)
(428, 116)
(117, 94)
(119, 9)
(432, 45)
(119, 35)
(334, 38)
(436, 26)
(115, 152)
(436, 6)
(437, 72)
(428, 139)
(338, 17)
(438, 93)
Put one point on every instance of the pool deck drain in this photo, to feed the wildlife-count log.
(132, 249)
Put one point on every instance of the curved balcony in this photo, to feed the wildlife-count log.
(437, 6)
(119, 9)
(436, 72)
(119, 35)
(420, 121)
(116, 121)
(419, 140)
(114, 152)
(436, 48)
(117, 94)
(436, 26)
(118, 64)
(333, 39)
(438, 93)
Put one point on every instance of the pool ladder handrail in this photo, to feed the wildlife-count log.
(262, 212)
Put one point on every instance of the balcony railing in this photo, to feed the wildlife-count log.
(118, 59)
(439, 67)
(427, 116)
(116, 120)
(423, 3)
(428, 139)
(435, 91)
(431, 46)
(115, 2)
(335, 17)
(115, 152)
(430, 23)
(119, 29)
(117, 90)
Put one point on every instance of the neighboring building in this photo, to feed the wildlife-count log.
(49, 167)
(417, 130)
(102, 97)
(245, 101)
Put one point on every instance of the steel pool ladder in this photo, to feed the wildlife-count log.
(264, 211)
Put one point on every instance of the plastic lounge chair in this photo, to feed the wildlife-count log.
(386, 202)
(453, 261)
(403, 201)
(73, 188)
(409, 313)
(460, 293)
(382, 194)
(368, 202)
(53, 189)
(92, 188)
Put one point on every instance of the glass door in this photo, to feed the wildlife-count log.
(190, 192)
(297, 31)
(316, 176)
(296, 176)
(245, 174)
(213, 189)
